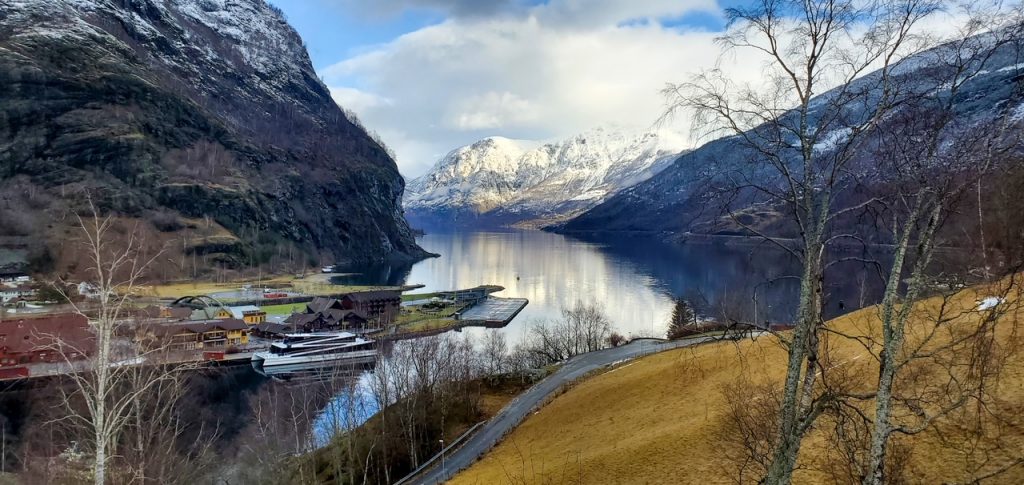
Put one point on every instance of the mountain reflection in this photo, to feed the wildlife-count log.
(633, 279)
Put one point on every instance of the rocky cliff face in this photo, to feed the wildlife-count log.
(176, 111)
(497, 181)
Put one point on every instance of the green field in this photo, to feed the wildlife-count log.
(286, 309)
(418, 296)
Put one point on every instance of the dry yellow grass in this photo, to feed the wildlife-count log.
(660, 419)
(188, 288)
(315, 284)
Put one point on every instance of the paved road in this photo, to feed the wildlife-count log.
(518, 409)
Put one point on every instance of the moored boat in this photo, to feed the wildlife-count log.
(312, 352)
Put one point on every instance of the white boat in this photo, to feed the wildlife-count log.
(311, 352)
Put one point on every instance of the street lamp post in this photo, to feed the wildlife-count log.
(444, 472)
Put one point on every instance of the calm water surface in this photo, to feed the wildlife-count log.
(633, 279)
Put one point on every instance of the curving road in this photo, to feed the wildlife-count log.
(514, 413)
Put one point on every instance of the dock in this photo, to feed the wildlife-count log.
(494, 311)
(491, 312)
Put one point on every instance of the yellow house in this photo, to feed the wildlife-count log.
(208, 334)
(238, 336)
(250, 314)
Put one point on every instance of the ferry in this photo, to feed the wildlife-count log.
(311, 352)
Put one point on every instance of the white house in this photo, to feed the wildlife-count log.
(88, 290)
(9, 293)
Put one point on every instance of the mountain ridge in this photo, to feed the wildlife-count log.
(691, 199)
(497, 181)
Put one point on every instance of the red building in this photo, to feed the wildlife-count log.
(44, 338)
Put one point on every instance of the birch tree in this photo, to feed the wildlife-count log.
(801, 136)
(105, 384)
(938, 158)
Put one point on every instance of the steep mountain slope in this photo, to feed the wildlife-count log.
(177, 111)
(693, 195)
(497, 181)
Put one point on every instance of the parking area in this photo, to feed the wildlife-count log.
(495, 309)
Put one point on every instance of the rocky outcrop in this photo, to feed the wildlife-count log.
(194, 108)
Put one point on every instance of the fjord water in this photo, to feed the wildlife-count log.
(632, 278)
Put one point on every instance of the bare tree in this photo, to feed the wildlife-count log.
(154, 445)
(801, 138)
(105, 384)
(582, 328)
(495, 353)
(939, 157)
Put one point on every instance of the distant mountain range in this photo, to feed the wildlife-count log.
(685, 199)
(203, 120)
(502, 182)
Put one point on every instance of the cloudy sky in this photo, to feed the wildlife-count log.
(432, 75)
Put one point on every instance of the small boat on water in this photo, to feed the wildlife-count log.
(312, 352)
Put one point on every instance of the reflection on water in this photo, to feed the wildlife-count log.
(634, 279)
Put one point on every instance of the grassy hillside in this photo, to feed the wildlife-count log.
(666, 418)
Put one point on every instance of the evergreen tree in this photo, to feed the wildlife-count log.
(682, 320)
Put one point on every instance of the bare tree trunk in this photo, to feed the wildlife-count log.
(893, 332)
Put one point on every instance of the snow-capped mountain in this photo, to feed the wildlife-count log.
(499, 181)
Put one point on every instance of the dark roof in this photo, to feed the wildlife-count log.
(337, 315)
(201, 326)
(174, 312)
(41, 332)
(322, 303)
(366, 296)
(270, 327)
(151, 311)
(330, 315)
(301, 318)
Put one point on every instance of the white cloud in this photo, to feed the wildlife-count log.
(356, 100)
(452, 7)
(540, 72)
(491, 110)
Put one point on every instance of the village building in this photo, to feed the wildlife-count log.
(14, 278)
(250, 314)
(49, 338)
(88, 290)
(18, 292)
(381, 306)
(327, 319)
(270, 330)
(197, 335)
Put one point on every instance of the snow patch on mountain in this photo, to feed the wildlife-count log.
(262, 49)
(517, 180)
